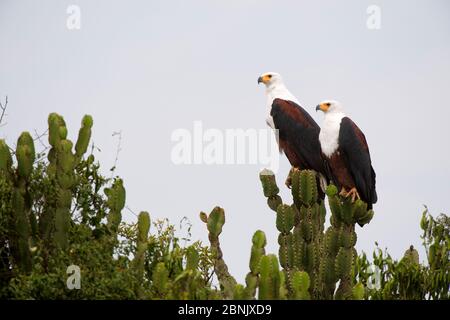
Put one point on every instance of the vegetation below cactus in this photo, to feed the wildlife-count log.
(57, 210)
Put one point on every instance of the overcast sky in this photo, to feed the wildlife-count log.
(147, 68)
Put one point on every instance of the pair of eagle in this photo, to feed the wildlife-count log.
(338, 151)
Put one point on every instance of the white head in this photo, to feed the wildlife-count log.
(330, 107)
(271, 79)
(275, 89)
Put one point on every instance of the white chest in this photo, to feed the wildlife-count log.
(329, 134)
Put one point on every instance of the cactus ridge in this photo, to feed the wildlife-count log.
(326, 256)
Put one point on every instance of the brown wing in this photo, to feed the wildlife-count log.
(298, 135)
(355, 152)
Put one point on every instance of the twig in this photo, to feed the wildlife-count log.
(128, 208)
(38, 137)
(119, 148)
(3, 111)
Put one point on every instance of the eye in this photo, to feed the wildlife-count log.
(328, 104)
(269, 76)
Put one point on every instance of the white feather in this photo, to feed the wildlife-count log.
(329, 133)
(276, 89)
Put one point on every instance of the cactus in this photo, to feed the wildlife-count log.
(142, 238)
(116, 202)
(300, 285)
(257, 252)
(214, 223)
(5, 159)
(270, 189)
(269, 282)
(160, 280)
(284, 223)
(139, 257)
(61, 171)
(84, 135)
(340, 240)
(358, 291)
(305, 246)
(23, 220)
(239, 292)
(309, 224)
(25, 154)
(62, 162)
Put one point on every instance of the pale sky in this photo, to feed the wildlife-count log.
(147, 68)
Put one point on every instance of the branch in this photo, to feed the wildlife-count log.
(3, 111)
(119, 148)
(38, 137)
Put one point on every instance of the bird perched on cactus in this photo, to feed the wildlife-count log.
(298, 133)
(345, 149)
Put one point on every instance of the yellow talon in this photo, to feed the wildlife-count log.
(354, 194)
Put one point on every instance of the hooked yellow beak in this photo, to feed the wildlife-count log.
(264, 79)
(323, 107)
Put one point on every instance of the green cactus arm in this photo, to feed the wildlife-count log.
(269, 183)
(300, 285)
(270, 189)
(269, 282)
(25, 155)
(84, 135)
(116, 202)
(143, 226)
(56, 129)
(5, 157)
(285, 218)
(308, 187)
(358, 291)
(257, 251)
(214, 223)
(239, 292)
(21, 234)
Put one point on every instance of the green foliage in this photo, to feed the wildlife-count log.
(62, 211)
(408, 278)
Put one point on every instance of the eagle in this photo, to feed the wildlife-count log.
(345, 149)
(298, 133)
